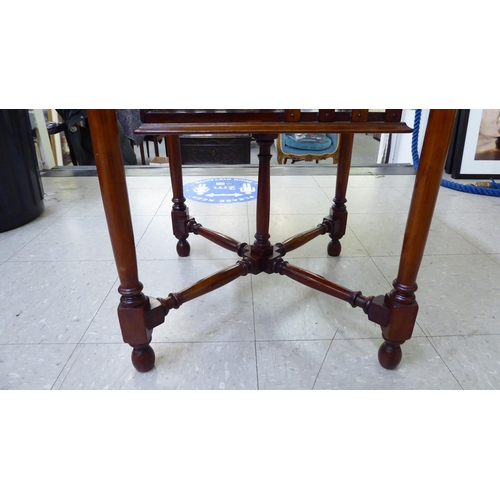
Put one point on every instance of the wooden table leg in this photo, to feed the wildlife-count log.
(264, 191)
(180, 212)
(111, 171)
(338, 211)
(401, 301)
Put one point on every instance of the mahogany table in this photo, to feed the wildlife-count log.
(139, 314)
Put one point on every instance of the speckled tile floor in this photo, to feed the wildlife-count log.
(59, 329)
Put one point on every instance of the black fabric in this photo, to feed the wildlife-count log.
(21, 190)
(130, 120)
(80, 142)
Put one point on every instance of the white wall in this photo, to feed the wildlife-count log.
(401, 143)
(43, 140)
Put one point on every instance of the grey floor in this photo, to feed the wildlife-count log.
(59, 328)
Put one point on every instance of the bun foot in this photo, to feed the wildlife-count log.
(389, 355)
(183, 248)
(334, 248)
(143, 358)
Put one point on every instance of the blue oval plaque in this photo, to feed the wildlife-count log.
(221, 190)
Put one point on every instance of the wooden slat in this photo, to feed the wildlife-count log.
(267, 115)
(393, 115)
(211, 115)
(359, 115)
(326, 115)
(292, 115)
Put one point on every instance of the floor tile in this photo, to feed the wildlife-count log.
(457, 295)
(474, 360)
(382, 234)
(224, 314)
(158, 182)
(457, 202)
(76, 239)
(366, 181)
(293, 200)
(292, 311)
(326, 181)
(142, 202)
(288, 181)
(369, 200)
(187, 366)
(401, 181)
(32, 367)
(58, 201)
(158, 242)
(16, 239)
(353, 365)
(290, 364)
(495, 257)
(69, 183)
(51, 302)
(480, 229)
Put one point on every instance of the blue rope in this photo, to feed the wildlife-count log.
(494, 190)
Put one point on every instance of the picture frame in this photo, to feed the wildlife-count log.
(475, 146)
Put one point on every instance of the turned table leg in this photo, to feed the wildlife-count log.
(180, 212)
(263, 191)
(256, 256)
(401, 301)
(111, 171)
(338, 211)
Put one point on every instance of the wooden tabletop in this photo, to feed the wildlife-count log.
(273, 121)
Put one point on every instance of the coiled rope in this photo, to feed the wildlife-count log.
(494, 190)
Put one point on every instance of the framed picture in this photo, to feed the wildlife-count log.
(475, 147)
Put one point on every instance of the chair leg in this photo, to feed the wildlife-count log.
(141, 147)
(157, 150)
